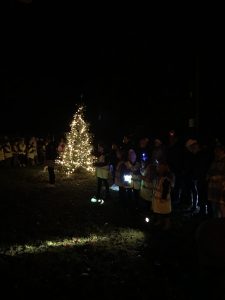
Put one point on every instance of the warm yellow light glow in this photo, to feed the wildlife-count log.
(48, 245)
(124, 237)
(78, 151)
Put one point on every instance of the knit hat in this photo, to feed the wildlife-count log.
(158, 141)
(190, 143)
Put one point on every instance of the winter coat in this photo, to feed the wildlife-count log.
(216, 185)
(102, 166)
(132, 170)
(161, 203)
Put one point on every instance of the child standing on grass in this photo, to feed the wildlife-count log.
(102, 172)
(119, 172)
(161, 203)
(132, 179)
(146, 193)
(51, 155)
(2, 155)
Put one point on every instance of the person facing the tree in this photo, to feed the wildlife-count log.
(148, 175)
(8, 153)
(113, 162)
(61, 146)
(216, 182)
(127, 144)
(2, 155)
(132, 179)
(51, 155)
(161, 202)
(31, 153)
(119, 176)
(15, 153)
(143, 151)
(22, 152)
(102, 171)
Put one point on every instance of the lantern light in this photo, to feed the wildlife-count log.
(144, 157)
(127, 178)
(171, 133)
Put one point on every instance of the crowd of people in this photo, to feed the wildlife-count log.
(156, 181)
(149, 175)
(152, 178)
(159, 177)
(21, 152)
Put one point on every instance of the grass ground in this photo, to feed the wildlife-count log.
(55, 240)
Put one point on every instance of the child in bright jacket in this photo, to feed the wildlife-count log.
(132, 178)
(102, 172)
(161, 204)
(146, 192)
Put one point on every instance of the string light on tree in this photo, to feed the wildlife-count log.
(78, 150)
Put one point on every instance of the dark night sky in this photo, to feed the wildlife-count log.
(48, 61)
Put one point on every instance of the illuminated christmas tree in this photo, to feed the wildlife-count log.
(78, 150)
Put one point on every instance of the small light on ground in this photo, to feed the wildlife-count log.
(147, 220)
(114, 187)
(94, 200)
(101, 201)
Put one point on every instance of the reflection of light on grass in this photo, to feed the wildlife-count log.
(131, 236)
(122, 238)
(47, 246)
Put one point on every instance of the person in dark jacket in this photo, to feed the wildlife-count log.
(51, 155)
(189, 192)
(127, 144)
(216, 182)
(102, 172)
(143, 150)
(202, 161)
(175, 161)
(158, 152)
(113, 162)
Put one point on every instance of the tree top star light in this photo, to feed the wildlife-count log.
(78, 149)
